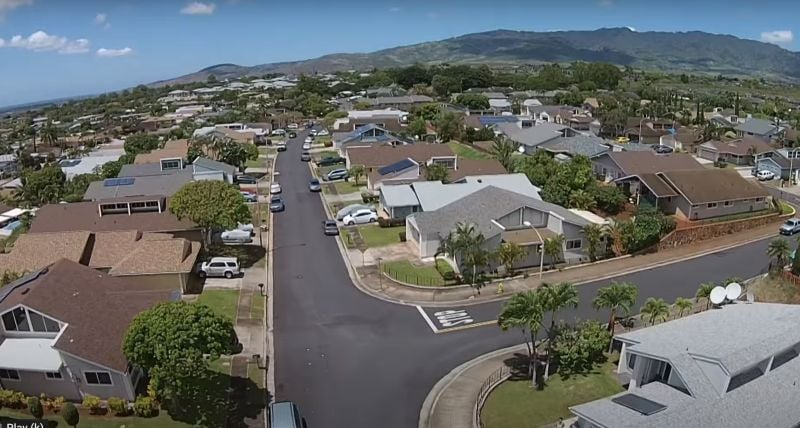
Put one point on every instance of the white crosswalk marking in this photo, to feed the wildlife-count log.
(452, 318)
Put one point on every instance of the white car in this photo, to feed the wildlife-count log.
(274, 189)
(765, 175)
(306, 146)
(313, 132)
(220, 266)
(323, 133)
(308, 140)
(236, 236)
(292, 126)
(279, 131)
(246, 227)
(360, 217)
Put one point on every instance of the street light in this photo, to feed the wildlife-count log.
(541, 247)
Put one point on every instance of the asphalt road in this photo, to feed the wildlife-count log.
(349, 360)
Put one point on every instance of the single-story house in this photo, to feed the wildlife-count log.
(367, 135)
(738, 152)
(145, 185)
(530, 138)
(584, 145)
(618, 164)
(172, 149)
(784, 163)
(759, 128)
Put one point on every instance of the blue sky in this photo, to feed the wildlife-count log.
(76, 47)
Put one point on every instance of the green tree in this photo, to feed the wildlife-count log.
(704, 292)
(111, 169)
(554, 298)
(174, 341)
(609, 198)
(362, 105)
(554, 248)
(417, 128)
(35, 407)
(504, 151)
(508, 254)
(617, 298)
(539, 167)
(467, 248)
(50, 134)
(654, 310)
(525, 311)
(445, 85)
(582, 200)
(683, 305)
(211, 205)
(594, 235)
(779, 250)
(70, 414)
(473, 101)
(429, 111)
(45, 186)
(357, 171)
(576, 174)
(577, 349)
(437, 172)
(448, 125)
(332, 116)
(141, 143)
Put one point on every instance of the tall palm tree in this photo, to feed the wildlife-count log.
(554, 248)
(683, 304)
(49, 134)
(704, 292)
(654, 310)
(618, 297)
(779, 250)
(466, 246)
(555, 298)
(594, 234)
(524, 311)
(503, 150)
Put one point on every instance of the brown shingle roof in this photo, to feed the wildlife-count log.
(647, 162)
(712, 185)
(98, 309)
(468, 167)
(33, 251)
(378, 156)
(111, 247)
(85, 216)
(740, 147)
(657, 185)
(172, 149)
(152, 256)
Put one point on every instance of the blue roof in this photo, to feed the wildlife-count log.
(113, 182)
(397, 166)
(493, 120)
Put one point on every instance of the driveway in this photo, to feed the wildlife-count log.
(349, 360)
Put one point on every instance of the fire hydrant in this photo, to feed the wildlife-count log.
(500, 288)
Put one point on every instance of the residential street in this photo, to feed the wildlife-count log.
(349, 360)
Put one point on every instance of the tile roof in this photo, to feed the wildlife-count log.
(98, 309)
(378, 156)
(712, 185)
(741, 147)
(171, 149)
(642, 162)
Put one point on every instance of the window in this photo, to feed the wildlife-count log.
(217, 264)
(728, 203)
(573, 244)
(98, 378)
(21, 320)
(7, 374)
(711, 205)
(171, 164)
(631, 361)
(759, 199)
(52, 375)
(43, 324)
(16, 320)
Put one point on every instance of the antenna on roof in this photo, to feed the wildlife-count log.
(733, 291)
(718, 295)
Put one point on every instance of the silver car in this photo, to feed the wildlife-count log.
(350, 209)
(220, 266)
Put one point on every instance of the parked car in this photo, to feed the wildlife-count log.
(246, 227)
(293, 134)
(337, 174)
(360, 217)
(329, 227)
(236, 236)
(314, 185)
(284, 414)
(220, 266)
(305, 156)
(791, 226)
(274, 189)
(323, 133)
(309, 139)
(281, 146)
(306, 146)
(279, 131)
(310, 125)
(276, 204)
(330, 160)
(249, 197)
(342, 213)
(765, 175)
(662, 149)
(292, 126)
(312, 132)
(245, 179)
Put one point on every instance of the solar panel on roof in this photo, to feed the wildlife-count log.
(639, 404)
(397, 166)
(113, 182)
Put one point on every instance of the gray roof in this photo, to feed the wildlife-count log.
(586, 145)
(153, 185)
(433, 195)
(532, 136)
(145, 170)
(399, 196)
(215, 165)
(483, 206)
(405, 99)
(737, 336)
(757, 127)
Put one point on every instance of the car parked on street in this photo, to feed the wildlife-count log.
(276, 204)
(314, 186)
(274, 189)
(236, 236)
(249, 197)
(330, 160)
(293, 134)
(360, 217)
(309, 139)
(790, 227)
(220, 266)
(330, 228)
(306, 146)
(313, 132)
(281, 146)
(305, 156)
(342, 213)
(765, 175)
(279, 131)
(323, 133)
(336, 174)
(245, 179)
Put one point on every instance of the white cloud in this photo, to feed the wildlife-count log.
(777, 36)
(199, 8)
(9, 5)
(394, 9)
(40, 41)
(114, 52)
(102, 19)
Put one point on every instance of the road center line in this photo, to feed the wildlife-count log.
(427, 319)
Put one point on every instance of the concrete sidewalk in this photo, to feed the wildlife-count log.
(390, 290)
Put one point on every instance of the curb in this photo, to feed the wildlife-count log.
(269, 308)
(429, 405)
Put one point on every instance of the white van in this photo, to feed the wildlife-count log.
(236, 236)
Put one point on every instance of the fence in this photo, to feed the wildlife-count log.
(496, 378)
(415, 278)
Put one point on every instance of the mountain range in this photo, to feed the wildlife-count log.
(694, 51)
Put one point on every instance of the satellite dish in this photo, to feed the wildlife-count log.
(750, 297)
(718, 295)
(521, 149)
(733, 291)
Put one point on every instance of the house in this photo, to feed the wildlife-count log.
(584, 145)
(499, 105)
(154, 124)
(559, 114)
(647, 131)
(618, 164)
(166, 183)
(366, 135)
(391, 122)
(735, 367)
(742, 151)
(85, 165)
(173, 149)
(207, 169)
(8, 165)
(759, 128)
(528, 105)
(532, 137)
(400, 200)
(725, 118)
(682, 139)
(501, 216)
(783, 163)
(375, 157)
(399, 102)
(62, 332)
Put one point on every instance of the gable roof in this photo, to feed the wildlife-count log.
(378, 156)
(757, 126)
(213, 165)
(643, 162)
(532, 136)
(739, 147)
(586, 145)
(152, 185)
(33, 251)
(712, 185)
(475, 167)
(145, 170)
(433, 195)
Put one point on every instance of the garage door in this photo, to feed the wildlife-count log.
(707, 154)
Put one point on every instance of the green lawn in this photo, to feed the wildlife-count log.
(515, 404)
(163, 420)
(222, 302)
(326, 154)
(344, 187)
(376, 236)
(256, 163)
(785, 208)
(467, 152)
(425, 275)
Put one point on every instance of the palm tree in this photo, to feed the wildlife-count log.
(683, 304)
(594, 234)
(554, 248)
(466, 246)
(779, 250)
(509, 253)
(582, 200)
(49, 134)
(503, 150)
(654, 310)
(524, 311)
(356, 171)
(704, 292)
(617, 231)
(555, 298)
(618, 297)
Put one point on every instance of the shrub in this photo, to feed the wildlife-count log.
(144, 407)
(369, 198)
(12, 399)
(92, 403)
(327, 143)
(402, 236)
(70, 414)
(118, 405)
(57, 403)
(391, 222)
(35, 407)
